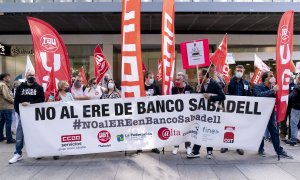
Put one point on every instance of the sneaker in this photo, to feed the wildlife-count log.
(55, 157)
(188, 150)
(139, 151)
(285, 155)
(240, 151)
(156, 151)
(209, 155)
(224, 150)
(262, 153)
(291, 143)
(12, 141)
(192, 155)
(16, 158)
(268, 140)
(175, 151)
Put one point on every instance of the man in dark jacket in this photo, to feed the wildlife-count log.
(27, 93)
(238, 87)
(294, 101)
(212, 91)
(268, 88)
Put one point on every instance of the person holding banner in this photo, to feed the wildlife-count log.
(94, 91)
(27, 93)
(64, 91)
(182, 88)
(113, 92)
(238, 87)
(212, 91)
(105, 80)
(78, 89)
(151, 90)
(268, 88)
(294, 101)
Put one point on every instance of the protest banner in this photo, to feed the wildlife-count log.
(93, 126)
(195, 53)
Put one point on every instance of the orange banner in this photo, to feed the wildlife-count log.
(168, 45)
(132, 69)
(219, 59)
(284, 49)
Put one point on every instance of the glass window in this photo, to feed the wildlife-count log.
(24, 1)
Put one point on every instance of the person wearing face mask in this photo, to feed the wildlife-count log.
(78, 89)
(64, 91)
(94, 91)
(268, 88)
(182, 88)
(238, 87)
(212, 91)
(27, 93)
(6, 108)
(294, 101)
(112, 91)
(151, 90)
(105, 80)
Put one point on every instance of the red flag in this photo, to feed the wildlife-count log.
(284, 49)
(49, 51)
(292, 67)
(168, 45)
(256, 79)
(261, 67)
(159, 72)
(100, 62)
(219, 59)
(132, 68)
(51, 86)
(144, 67)
(82, 74)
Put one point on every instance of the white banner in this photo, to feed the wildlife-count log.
(93, 126)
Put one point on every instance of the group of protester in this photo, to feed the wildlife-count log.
(212, 86)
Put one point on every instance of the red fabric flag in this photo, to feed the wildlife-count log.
(49, 51)
(219, 59)
(144, 67)
(101, 63)
(51, 88)
(292, 67)
(132, 65)
(261, 67)
(256, 79)
(168, 45)
(284, 49)
(82, 74)
(159, 72)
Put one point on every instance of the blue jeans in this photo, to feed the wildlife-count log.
(274, 132)
(19, 139)
(267, 134)
(295, 116)
(6, 118)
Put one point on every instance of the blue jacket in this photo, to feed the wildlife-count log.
(245, 85)
(261, 90)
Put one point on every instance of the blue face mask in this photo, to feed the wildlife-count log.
(238, 74)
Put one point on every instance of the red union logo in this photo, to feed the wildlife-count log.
(164, 133)
(104, 136)
(71, 138)
(49, 43)
(285, 34)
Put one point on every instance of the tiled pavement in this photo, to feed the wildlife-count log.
(228, 166)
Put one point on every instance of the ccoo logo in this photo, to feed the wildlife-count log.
(49, 43)
(104, 136)
(285, 34)
(164, 133)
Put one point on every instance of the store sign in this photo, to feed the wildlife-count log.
(4, 50)
(21, 50)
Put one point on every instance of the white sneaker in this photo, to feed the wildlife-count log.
(209, 155)
(188, 150)
(16, 158)
(175, 151)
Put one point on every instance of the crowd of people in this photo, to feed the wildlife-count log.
(211, 85)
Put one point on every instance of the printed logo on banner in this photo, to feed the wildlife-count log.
(229, 134)
(285, 34)
(165, 133)
(104, 136)
(194, 131)
(133, 136)
(71, 142)
(71, 138)
(49, 43)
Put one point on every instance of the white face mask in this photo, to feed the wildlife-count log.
(111, 85)
(238, 74)
(95, 86)
(151, 81)
(272, 80)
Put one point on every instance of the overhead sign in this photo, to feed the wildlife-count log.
(4, 50)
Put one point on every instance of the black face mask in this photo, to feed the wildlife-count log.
(31, 80)
(105, 79)
(67, 89)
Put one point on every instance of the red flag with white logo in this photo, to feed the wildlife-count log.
(132, 65)
(261, 67)
(101, 63)
(168, 45)
(51, 88)
(284, 49)
(159, 72)
(219, 59)
(49, 51)
(82, 74)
